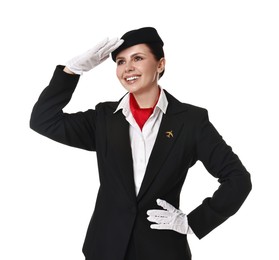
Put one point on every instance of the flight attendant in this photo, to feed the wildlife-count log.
(145, 144)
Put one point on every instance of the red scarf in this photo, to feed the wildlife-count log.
(140, 114)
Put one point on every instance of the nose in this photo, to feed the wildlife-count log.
(129, 66)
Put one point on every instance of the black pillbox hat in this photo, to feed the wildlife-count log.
(134, 37)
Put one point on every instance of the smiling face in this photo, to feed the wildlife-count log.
(138, 70)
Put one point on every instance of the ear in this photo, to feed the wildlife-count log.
(161, 65)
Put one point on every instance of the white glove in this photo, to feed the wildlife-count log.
(170, 218)
(94, 56)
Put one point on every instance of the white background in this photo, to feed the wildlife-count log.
(221, 55)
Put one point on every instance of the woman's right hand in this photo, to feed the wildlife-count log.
(92, 57)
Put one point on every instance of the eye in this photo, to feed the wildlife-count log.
(138, 58)
(120, 62)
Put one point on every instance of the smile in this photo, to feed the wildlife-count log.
(132, 78)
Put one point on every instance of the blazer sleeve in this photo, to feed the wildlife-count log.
(235, 184)
(48, 118)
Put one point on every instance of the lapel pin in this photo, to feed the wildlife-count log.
(169, 134)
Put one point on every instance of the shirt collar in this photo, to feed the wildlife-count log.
(162, 103)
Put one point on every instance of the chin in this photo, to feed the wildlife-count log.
(131, 89)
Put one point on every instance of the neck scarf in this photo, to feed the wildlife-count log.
(141, 115)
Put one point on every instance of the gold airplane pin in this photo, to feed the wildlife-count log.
(169, 134)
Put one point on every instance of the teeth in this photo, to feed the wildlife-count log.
(132, 78)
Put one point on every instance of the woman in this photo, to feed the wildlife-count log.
(145, 144)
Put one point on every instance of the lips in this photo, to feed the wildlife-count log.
(131, 78)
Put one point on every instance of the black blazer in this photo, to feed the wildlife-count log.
(120, 216)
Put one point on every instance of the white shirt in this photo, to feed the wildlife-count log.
(142, 141)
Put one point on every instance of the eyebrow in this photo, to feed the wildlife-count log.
(133, 55)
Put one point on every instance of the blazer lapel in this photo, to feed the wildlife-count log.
(120, 149)
(168, 133)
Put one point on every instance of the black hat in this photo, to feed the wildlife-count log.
(147, 35)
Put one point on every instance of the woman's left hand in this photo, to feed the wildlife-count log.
(170, 218)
